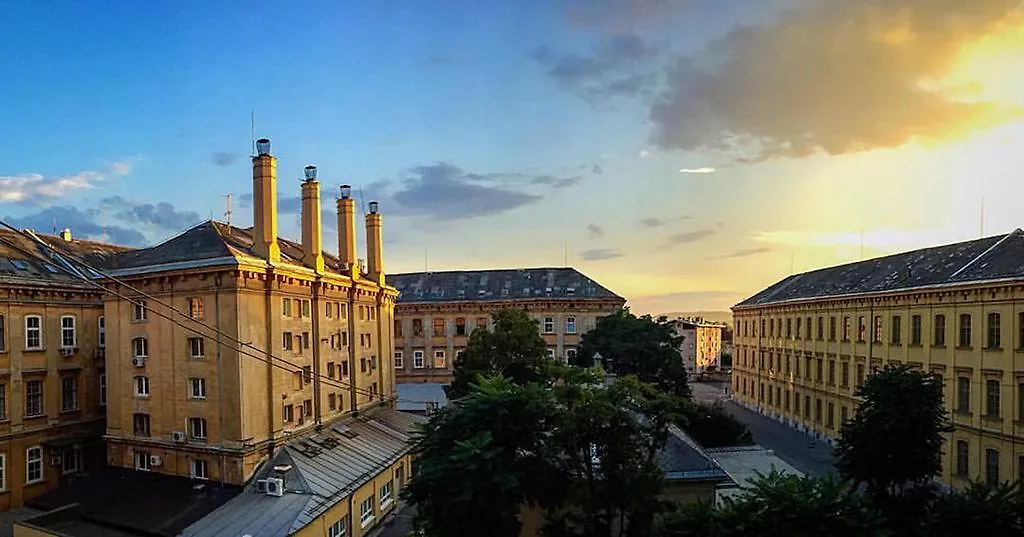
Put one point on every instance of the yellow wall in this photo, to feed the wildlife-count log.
(761, 359)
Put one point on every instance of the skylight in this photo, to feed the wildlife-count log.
(19, 264)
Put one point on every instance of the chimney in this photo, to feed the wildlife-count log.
(347, 232)
(65, 235)
(312, 237)
(264, 203)
(374, 238)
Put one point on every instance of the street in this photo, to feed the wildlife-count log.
(814, 458)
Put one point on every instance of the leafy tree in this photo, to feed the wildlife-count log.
(779, 505)
(643, 346)
(981, 509)
(894, 441)
(711, 426)
(480, 459)
(726, 360)
(513, 349)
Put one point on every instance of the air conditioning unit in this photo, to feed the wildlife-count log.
(275, 486)
(56, 460)
(67, 352)
(155, 460)
(139, 361)
(178, 436)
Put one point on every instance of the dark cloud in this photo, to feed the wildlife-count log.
(225, 159)
(594, 231)
(690, 236)
(597, 170)
(833, 77)
(619, 15)
(600, 254)
(743, 253)
(556, 182)
(617, 66)
(162, 215)
(84, 224)
(444, 191)
(658, 222)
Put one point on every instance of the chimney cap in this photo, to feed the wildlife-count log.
(310, 172)
(346, 192)
(373, 207)
(263, 146)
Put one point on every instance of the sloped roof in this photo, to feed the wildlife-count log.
(683, 459)
(991, 258)
(498, 284)
(23, 261)
(326, 467)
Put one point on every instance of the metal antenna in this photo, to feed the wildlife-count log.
(362, 201)
(252, 129)
(227, 212)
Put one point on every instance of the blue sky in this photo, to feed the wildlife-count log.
(501, 134)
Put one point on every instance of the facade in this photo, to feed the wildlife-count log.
(233, 356)
(702, 343)
(805, 344)
(437, 311)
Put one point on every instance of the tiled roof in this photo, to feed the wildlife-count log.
(325, 467)
(23, 261)
(683, 459)
(992, 258)
(498, 284)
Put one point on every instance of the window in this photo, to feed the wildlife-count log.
(305, 340)
(438, 359)
(332, 401)
(438, 327)
(991, 467)
(196, 347)
(570, 325)
(808, 334)
(549, 325)
(417, 327)
(821, 328)
(807, 406)
(339, 528)
(286, 307)
(939, 331)
(460, 326)
(399, 361)
(915, 330)
(366, 511)
(963, 391)
(1020, 330)
(846, 374)
(385, 495)
(103, 389)
(197, 469)
(458, 354)
(481, 322)
(140, 347)
(398, 328)
(417, 359)
(551, 352)
(994, 331)
(817, 411)
(861, 329)
(34, 398)
(789, 328)
(139, 310)
(831, 423)
(195, 308)
(68, 338)
(896, 330)
(287, 342)
(71, 461)
(344, 369)
(3, 471)
(965, 330)
(570, 354)
(142, 460)
(1020, 402)
(33, 332)
(844, 413)
(992, 398)
(68, 394)
(818, 371)
(962, 459)
(142, 386)
(860, 375)
(140, 424)
(288, 413)
(846, 329)
(197, 388)
(307, 374)
(876, 336)
(33, 465)
(304, 307)
(3, 347)
(197, 428)
(831, 372)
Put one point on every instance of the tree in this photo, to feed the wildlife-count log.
(513, 349)
(643, 346)
(894, 440)
(980, 509)
(711, 426)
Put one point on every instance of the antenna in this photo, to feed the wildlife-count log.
(362, 200)
(54, 225)
(227, 212)
(252, 129)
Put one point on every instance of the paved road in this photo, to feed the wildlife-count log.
(399, 526)
(803, 452)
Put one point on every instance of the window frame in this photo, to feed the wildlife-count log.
(139, 382)
(194, 343)
(549, 325)
(148, 421)
(993, 330)
(399, 360)
(197, 388)
(140, 311)
(141, 460)
(38, 331)
(367, 516)
(103, 389)
(198, 429)
(64, 330)
(39, 395)
(193, 469)
(417, 359)
(140, 347)
(64, 393)
(29, 460)
(570, 324)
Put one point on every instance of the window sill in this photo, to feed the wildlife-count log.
(963, 413)
(964, 348)
(40, 349)
(938, 346)
(36, 482)
(895, 344)
(915, 345)
(70, 410)
(385, 504)
(993, 349)
(34, 416)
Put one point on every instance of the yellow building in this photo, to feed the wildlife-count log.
(254, 364)
(805, 344)
(437, 311)
(702, 343)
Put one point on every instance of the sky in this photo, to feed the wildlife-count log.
(683, 153)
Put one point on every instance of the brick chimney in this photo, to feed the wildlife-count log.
(312, 235)
(264, 203)
(374, 244)
(347, 232)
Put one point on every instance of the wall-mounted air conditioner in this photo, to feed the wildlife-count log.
(275, 486)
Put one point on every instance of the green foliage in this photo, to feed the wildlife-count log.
(513, 349)
(711, 426)
(981, 509)
(778, 505)
(895, 439)
(643, 346)
(726, 360)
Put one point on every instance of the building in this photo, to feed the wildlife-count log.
(702, 343)
(437, 311)
(244, 363)
(744, 464)
(805, 344)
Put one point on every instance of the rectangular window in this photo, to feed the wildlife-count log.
(417, 359)
(197, 428)
(344, 369)
(831, 328)
(846, 329)
(570, 325)
(103, 389)
(1020, 330)
(915, 330)
(939, 331)
(141, 386)
(142, 460)
(68, 338)
(799, 328)
(831, 423)
(807, 406)
(286, 307)
(549, 325)
(140, 424)
(385, 495)
(399, 360)
(288, 413)
(991, 467)
(438, 326)
(896, 330)
(366, 514)
(339, 528)
(992, 398)
(860, 375)
(33, 398)
(965, 330)
(460, 326)
(818, 377)
(198, 469)
(33, 465)
(398, 328)
(287, 341)
(1020, 402)
(304, 312)
(808, 325)
(877, 335)
(332, 401)
(417, 327)
(439, 359)
(963, 394)
(139, 312)
(962, 458)
(994, 331)
(821, 328)
(305, 340)
(861, 329)
(197, 388)
(195, 308)
(789, 328)
(481, 322)
(68, 394)
(846, 374)
(3, 344)
(831, 372)
(33, 332)
(844, 413)
(307, 374)
(817, 411)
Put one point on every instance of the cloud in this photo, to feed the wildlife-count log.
(444, 191)
(161, 215)
(556, 182)
(645, 154)
(594, 231)
(697, 170)
(834, 77)
(600, 254)
(34, 188)
(884, 238)
(619, 15)
(225, 159)
(597, 170)
(84, 224)
(743, 253)
(617, 66)
(711, 300)
(690, 236)
(652, 222)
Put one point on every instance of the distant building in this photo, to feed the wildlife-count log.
(702, 343)
(746, 463)
(437, 311)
